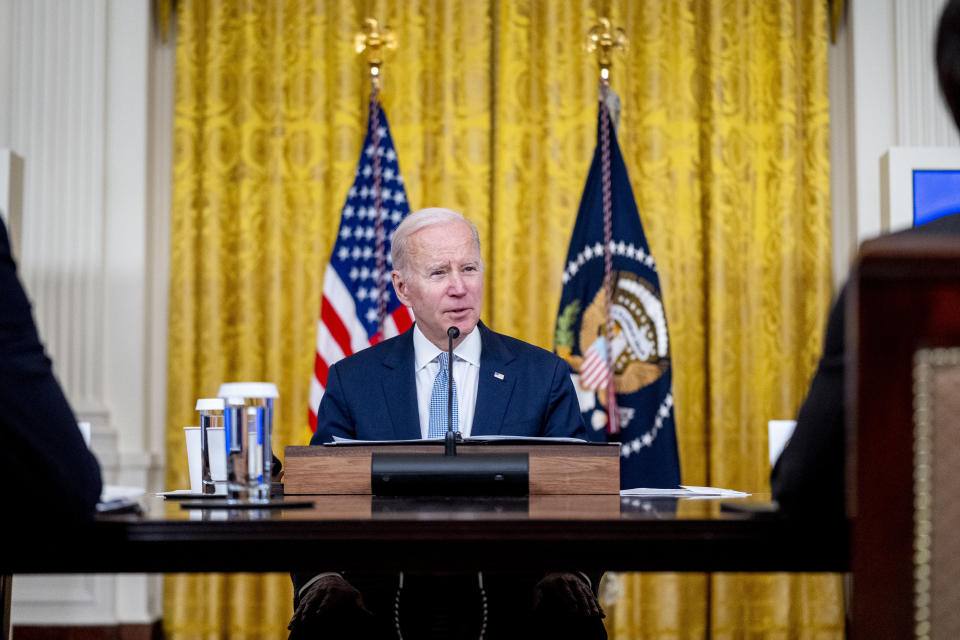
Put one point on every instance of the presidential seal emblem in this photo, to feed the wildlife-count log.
(639, 348)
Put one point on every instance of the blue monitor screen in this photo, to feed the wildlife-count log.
(936, 193)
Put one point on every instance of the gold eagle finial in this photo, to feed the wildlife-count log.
(372, 40)
(603, 38)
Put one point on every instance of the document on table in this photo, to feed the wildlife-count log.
(684, 491)
(112, 492)
(337, 440)
(116, 499)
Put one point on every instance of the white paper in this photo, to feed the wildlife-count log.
(339, 440)
(684, 491)
(490, 438)
(221, 490)
(116, 492)
(778, 434)
(715, 491)
(532, 439)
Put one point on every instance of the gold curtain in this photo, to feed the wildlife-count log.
(492, 106)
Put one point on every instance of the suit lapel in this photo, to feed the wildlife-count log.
(400, 389)
(495, 385)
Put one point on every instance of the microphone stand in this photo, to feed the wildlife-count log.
(470, 474)
(450, 442)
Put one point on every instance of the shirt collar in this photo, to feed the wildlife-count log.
(425, 351)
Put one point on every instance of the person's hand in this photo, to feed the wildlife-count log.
(564, 608)
(566, 594)
(330, 608)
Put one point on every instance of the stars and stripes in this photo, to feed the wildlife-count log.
(359, 306)
(594, 372)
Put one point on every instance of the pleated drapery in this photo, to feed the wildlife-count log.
(492, 107)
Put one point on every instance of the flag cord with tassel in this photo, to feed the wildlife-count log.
(612, 418)
(380, 232)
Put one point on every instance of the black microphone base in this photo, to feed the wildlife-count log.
(466, 474)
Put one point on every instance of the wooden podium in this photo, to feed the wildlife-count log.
(556, 468)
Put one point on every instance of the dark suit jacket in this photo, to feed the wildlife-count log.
(41, 450)
(809, 475)
(372, 395)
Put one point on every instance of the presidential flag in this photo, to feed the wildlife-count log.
(359, 306)
(612, 328)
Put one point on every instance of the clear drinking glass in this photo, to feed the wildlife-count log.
(248, 422)
(211, 417)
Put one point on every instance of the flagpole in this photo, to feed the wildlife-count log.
(603, 39)
(621, 369)
(372, 41)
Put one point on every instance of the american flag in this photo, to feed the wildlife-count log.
(594, 372)
(359, 306)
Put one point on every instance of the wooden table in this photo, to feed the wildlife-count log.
(603, 532)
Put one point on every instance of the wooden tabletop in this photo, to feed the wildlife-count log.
(589, 532)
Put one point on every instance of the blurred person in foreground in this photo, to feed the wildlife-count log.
(502, 386)
(41, 448)
(809, 475)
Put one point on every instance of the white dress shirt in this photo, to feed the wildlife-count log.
(466, 375)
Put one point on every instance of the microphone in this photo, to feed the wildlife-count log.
(470, 474)
(450, 443)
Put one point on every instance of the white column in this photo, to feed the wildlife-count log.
(56, 56)
(874, 105)
(6, 68)
(923, 119)
(125, 219)
(842, 161)
(159, 200)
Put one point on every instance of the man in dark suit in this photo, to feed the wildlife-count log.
(521, 390)
(397, 390)
(41, 449)
(809, 475)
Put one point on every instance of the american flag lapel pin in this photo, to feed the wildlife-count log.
(498, 375)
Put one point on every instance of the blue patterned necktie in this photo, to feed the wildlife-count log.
(438, 401)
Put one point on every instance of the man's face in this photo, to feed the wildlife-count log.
(442, 281)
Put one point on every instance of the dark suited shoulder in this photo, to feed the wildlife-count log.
(523, 390)
(534, 355)
(809, 475)
(370, 392)
(57, 476)
(543, 390)
(360, 362)
(945, 225)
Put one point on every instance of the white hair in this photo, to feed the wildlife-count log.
(419, 220)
